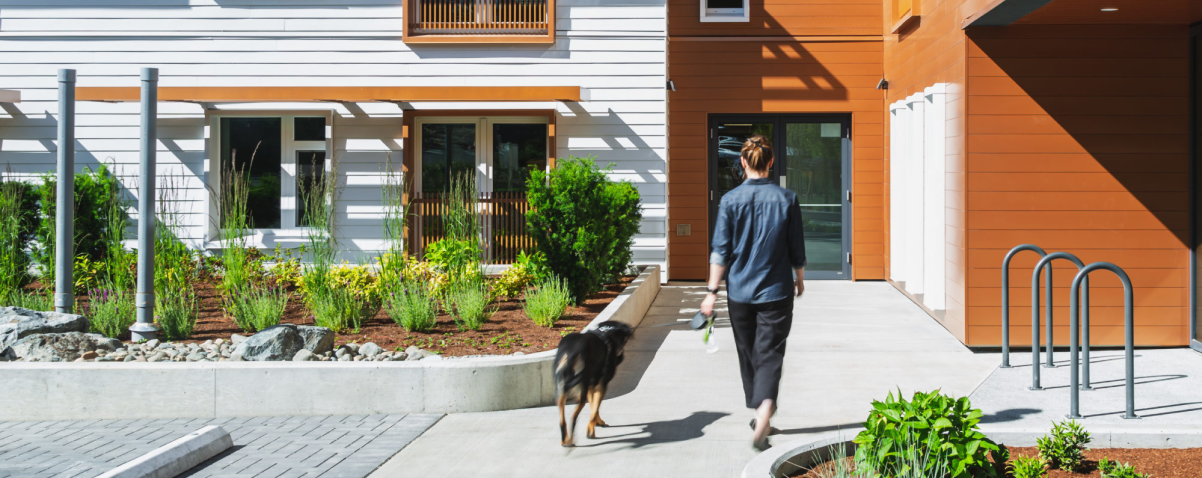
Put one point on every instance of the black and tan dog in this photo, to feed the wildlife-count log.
(584, 365)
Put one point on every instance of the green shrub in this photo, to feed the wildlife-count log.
(1028, 467)
(1065, 448)
(913, 460)
(1113, 469)
(535, 264)
(341, 309)
(95, 192)
(467, 303)
(236, 267)
(455, 257)
(546, 303)
(176, 313)
(583, 223)
(174, 262)
(945, 425)
(32, 300)
(89, 274)
(512, 282)
(110, 311)
(16, 227)
(256, 308)
(412, 306)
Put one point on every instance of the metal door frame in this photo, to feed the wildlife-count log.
(778, 138)
(1195, 32)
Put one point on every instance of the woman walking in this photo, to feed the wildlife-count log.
(758, 246)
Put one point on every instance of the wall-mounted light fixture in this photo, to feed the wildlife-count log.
(671, 85)
(1110, 9)
(882, 85)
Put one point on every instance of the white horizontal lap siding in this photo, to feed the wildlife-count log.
(616, 52)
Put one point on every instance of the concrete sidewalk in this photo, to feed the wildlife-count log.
(675, 410)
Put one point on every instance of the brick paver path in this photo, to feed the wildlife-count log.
(326, 446)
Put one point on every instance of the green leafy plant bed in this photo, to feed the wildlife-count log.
(1150, 463)
(506, 331)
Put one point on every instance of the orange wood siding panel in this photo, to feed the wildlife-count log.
(1078, 141)
(782, 18)
(747, 77)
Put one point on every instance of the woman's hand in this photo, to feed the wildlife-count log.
(707, 305)
(799, 283)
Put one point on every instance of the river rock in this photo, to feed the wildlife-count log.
(63, 347)
(370, 349)
(151, 344)
(17, 323)
(196, 356)
(317, 339)
(302, 355)
(275, 343)
(89, 355)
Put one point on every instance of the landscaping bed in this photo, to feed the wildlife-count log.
(507, 331)
(1157, 462)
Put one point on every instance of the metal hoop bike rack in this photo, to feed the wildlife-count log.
(1046, 261)
(1129, 332)
(1006, 298)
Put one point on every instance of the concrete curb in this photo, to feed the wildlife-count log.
(176, 457)
(89, 390)
(790, 457)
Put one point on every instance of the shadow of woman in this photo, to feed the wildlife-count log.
(657, 433)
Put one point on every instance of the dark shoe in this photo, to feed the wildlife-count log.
(752, 424)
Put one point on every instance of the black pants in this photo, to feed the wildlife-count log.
(760, 334)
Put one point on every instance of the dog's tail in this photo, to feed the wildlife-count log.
(568, 372)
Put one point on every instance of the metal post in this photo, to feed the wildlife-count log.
(1085, 332)
(1046, 262)
(1006, 297)
(64, 203)
(144, 328)
(1129, 336)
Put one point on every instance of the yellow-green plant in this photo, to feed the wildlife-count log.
(87, 274)
(513, 281)
(1114, 469)
(258, 307)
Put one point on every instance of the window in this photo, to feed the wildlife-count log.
(502, 151)
(479, 21)
(282, 156)
(904, 11)
(725, 11)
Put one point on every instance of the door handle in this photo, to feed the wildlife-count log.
(782, 181)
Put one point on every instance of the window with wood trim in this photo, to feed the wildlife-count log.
(479, 21)
(903, 12)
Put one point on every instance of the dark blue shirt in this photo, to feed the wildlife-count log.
(758, 237)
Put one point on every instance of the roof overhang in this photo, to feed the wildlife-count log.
(344, 94)
(1000, 13)
(10, 96)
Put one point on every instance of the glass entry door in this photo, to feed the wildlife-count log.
(813, 157)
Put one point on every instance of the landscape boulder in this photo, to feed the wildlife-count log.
(275, 343)
(318, 340)
(17, 323)
(64, 347)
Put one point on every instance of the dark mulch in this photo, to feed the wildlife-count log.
(1159, 463)
(506, 332)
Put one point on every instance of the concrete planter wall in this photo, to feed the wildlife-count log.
(88, 390)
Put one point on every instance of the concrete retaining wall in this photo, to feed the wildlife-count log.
(89, 390)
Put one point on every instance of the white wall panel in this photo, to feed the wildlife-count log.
(914, 195)
(898, 125)
(615, 51)
(934, 130)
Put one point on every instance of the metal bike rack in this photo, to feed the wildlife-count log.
(1006, 298)
(1129, 326)
(1047, 262)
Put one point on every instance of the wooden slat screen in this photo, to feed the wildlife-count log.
(479, 17)
(502, 220)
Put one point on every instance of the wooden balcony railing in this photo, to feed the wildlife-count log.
(502, 220)
(456, 21)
